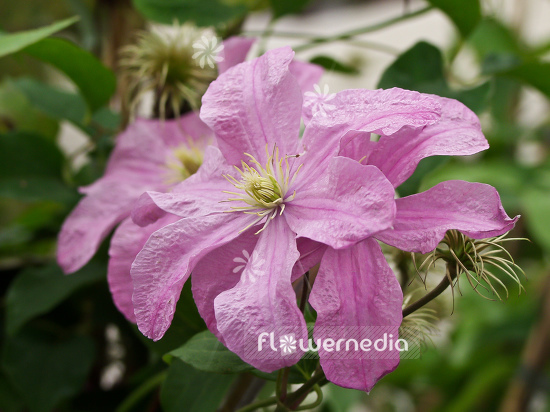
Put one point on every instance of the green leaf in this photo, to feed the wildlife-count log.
(191, 390)
(63, 105)
(426, 166)
(54, 102)
(10, 400)
(12, 43)
(492, 37)
(206, 353)
(201, 12)
(536, 204)
(534, 73)
(421, 68)
(30, 169)
(17, 113)
(333, 65)
(26, 154)
(283, 7)
(465, 14)
(36, 188)
(45, 369)
(36, 291)
(95, 82)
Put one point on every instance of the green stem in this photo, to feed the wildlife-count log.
(143, 390)
(316, 380)
(449, 277)
(362, 30)
(314, 404)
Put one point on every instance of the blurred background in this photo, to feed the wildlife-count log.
(65, 347)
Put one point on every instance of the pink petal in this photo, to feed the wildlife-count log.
(136, 165)
(343, 205)
(307, 74)
(94, 217)
(422, 219)
(354, 290)
(221, 270)
(201, 192)
(255, 104)
(263, 301)
(357, 146)
(234, 51)
(457, 133)
(218, 271)
(126, 243)
(311, 253)
(188, 128)
(167, 259)
(378, 111)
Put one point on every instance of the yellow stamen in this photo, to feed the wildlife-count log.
(263, 189)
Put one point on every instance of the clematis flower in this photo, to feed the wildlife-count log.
(149, 155)
(260, 194)
(250, 230)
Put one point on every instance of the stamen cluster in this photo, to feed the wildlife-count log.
(263, 189)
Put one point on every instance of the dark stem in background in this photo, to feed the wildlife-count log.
(530, 377)
(243, 391)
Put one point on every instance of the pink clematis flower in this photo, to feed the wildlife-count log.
(260, 198)
(249, 230)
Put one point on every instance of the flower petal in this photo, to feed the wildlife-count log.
(354, 290)
(201, 192)
(221, 270)
(263, 301)
(188, 129)
(167, 259)
(218, 271)
(345, 204)
(457, 133)
(377, 111)
(126, 243)
(311, 253)
(92, 219)
(137, 164)
(254, 104)
(422, 219)
(234, 51)
(306, 74)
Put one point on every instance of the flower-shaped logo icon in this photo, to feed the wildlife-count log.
(207, 51)
(319, 100)
(242, 261)
(287, 343)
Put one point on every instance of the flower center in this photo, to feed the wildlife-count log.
(184, 161)
(263, 188)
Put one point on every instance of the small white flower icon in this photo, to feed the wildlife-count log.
(287, 343)
(242, 261)
(319, 100)
(207, 51)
